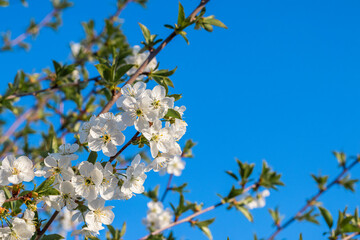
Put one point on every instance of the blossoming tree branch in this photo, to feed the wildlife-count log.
(47, 190)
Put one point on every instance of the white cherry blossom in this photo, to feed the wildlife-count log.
(159, 102)
(99, 215)
(259, 200)
(67, 197)
(85, 129)
(87, 184)
(180, 110)
(136, 91)
(157, 217)
(58, 166)
(16, 170)
(105, 136)
(135, 177)
(175, 166)
(67, 151)
(137, 59)
(137, 112)
(2, 197)
(159, 138)
(109, 182)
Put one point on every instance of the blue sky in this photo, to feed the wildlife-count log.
(281, 84)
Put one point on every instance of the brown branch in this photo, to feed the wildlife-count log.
(16, 124)
(167, 188)
(152, 56)
(313, 200)
(351, 236)
(16, 198)
(53, 88)
(192, 216)
(42, 232)
(112, 18)
(124, 147)
(19, 39)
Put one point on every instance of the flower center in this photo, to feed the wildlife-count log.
(88, 182)
(139, 112)
(156, 104)
(57, 170)
(15, 171)
(155, 138)
(106, 137)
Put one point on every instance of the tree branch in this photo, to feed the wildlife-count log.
(124, 147)
(19, 39)
(42, 232)
(17, 123)
(351, 236)
(192, 216)
(312, 200)
(167, 188)
(53, 88)
(152, 56)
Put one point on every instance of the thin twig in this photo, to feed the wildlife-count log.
(167, 188)
(112, 18)
(19, 39)
(125, 146)
(152, 56)
(192, 216)
(53, 88)
(16, 124)
(312, 200)
(42, 232)
(351, 236)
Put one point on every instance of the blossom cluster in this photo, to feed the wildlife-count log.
(157, 217)
(83, 187)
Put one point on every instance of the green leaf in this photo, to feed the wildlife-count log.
(187, 150)
(123, 229)
(309, 216)
(52, 237)
(172, 114)
(341, 157)
(181, 15)
(327, 216)
(57, 66)
(245, 212)
(169, 26)
(92, 157)
(208, 27)
(183, 34)
(105, 71)
(203, 226)
(232, 175)
(4, 3)
(145, 32)
(176, 96)
(164, 72)
(216, 23)
(321, 181)
(122, 70)
(50, 191)
(45, 185)
(9, 195)
(234, 192)
(348, 183)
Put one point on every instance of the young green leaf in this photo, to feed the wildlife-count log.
(181, 15)
(145, 31)
(327, 216)
(92, 157)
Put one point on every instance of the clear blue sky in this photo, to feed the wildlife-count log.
(281, 84)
